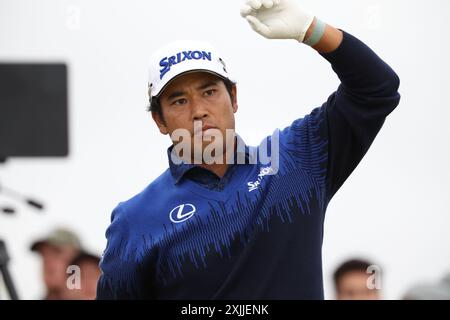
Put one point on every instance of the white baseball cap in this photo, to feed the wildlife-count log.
(181, 57)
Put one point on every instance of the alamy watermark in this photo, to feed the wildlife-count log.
(73, 17)
(210, 146)
(73, 281)
(374, 280)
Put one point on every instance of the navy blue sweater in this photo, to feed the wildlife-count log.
(192, 235)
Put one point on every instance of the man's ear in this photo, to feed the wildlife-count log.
(160, 123)
(234, 98)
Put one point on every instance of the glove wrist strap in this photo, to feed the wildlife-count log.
(317, 33)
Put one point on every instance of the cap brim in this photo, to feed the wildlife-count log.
(35, 246)
(187, 72)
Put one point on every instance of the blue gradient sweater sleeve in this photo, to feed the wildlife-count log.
(355, 113)
(121, 278)
(331, 141)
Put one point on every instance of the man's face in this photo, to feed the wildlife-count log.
(55, 261)
(353, 286)
(197, 96)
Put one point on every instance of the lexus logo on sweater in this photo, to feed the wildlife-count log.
(182, 213)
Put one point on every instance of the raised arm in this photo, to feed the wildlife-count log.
(348, 122)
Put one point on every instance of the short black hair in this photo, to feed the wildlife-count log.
(350, 266)
(155, 105)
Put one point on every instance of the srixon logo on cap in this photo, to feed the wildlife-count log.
(167, 62)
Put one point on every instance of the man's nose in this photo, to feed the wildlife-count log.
(199, 110)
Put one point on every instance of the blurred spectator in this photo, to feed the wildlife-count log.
(353, 281)
(57, 249)
(89, 275)
(433, 291)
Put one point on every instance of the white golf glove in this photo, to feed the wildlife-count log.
(277, 19)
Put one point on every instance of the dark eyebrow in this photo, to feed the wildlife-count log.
(176, 94)
(205, 85)
(208, 84)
